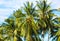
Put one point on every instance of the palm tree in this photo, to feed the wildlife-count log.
(22, 24)
(29, 27)
(11, 30)
(46, 18)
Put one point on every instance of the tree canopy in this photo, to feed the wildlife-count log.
(31, 23)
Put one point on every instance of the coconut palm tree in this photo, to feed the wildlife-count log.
(29, 27)
(22, 24)
(46, 16)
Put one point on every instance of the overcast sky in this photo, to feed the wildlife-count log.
(8, 6)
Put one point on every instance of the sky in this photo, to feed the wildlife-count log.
(8, 6)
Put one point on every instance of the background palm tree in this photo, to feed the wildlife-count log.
(46, 16)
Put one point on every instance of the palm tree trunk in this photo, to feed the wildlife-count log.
(49, 34)
(42, 35)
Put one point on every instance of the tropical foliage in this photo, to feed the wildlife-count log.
(31, 23)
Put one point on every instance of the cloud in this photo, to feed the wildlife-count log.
(55, 3)
(8, 6)
(5, 12)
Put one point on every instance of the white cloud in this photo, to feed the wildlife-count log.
(15, 4)
(55, 3)
(5, 12)
(9, 5)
